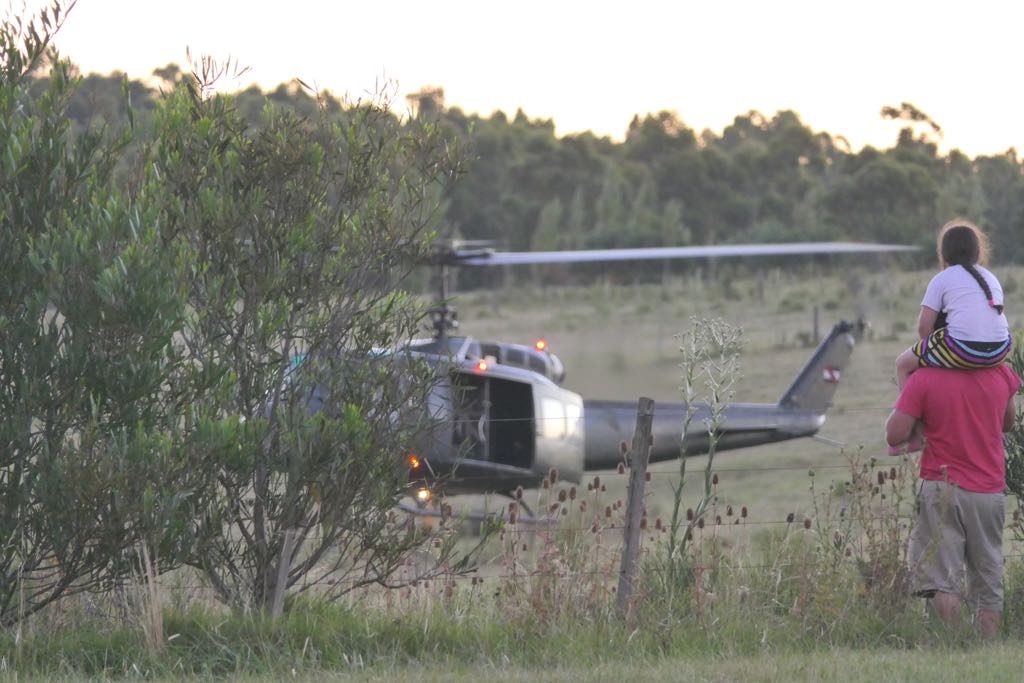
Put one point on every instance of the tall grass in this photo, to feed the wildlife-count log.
(833, 578)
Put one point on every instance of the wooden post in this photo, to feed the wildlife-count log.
(638, 456)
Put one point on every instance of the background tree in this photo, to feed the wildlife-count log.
(91, 385)
(303, 230)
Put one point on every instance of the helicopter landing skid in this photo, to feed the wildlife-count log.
(528, 518)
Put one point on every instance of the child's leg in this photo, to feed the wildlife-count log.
(906, 363)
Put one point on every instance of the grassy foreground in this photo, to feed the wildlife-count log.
(333, 643)
(997, 663)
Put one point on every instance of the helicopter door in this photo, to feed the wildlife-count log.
(494, 419)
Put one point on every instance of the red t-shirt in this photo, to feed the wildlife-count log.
(962, 411)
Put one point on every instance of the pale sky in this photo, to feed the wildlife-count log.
(593, 65)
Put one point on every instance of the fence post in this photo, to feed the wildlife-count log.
(639, 455)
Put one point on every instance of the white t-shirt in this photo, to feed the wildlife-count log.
(968, 315)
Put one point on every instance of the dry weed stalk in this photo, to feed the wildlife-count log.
(151, 601)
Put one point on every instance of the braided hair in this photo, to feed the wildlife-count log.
(964, 244)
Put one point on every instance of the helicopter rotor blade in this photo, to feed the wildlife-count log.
(494, 258)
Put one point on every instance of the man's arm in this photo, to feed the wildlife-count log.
(899, 427)
(1009, 414)
(926, 321)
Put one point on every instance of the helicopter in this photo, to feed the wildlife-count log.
(503, 420)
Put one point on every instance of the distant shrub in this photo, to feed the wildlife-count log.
(793, 302)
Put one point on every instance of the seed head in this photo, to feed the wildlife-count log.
(597, 482)
(728, 510)
(881, 478)
(892, 473)
(647, 476)
(718, 520)
(643, 523)
(572, 493)
(743, 512)
(553, 475)
(583, 506)
(562, 495)
(689, 514)
(700, 523)
(807, 522)
(714, 479)
(608, 512)
(621, 469)
(790, 517)
(519, 493)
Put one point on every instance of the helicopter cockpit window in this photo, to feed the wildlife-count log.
(515, 357)
(490, 350)
(552, 418)
(537, 364)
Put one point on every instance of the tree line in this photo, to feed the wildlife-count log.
(762, 179)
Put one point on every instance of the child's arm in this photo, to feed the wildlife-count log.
(926, 321)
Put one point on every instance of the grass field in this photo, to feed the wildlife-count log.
(984, 665)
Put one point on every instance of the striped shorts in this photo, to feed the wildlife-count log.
(940, 350)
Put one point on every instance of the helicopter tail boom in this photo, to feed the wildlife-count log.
(800, 412)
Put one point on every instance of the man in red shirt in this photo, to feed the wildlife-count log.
(963, 474)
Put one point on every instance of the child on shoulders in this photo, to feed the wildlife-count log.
(961, 324)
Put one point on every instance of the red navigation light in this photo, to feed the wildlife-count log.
(414, 462)
(481, 365)
(540, 345)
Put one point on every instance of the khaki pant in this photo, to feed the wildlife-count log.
(958, 533)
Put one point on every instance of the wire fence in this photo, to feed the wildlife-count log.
(510, 559)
